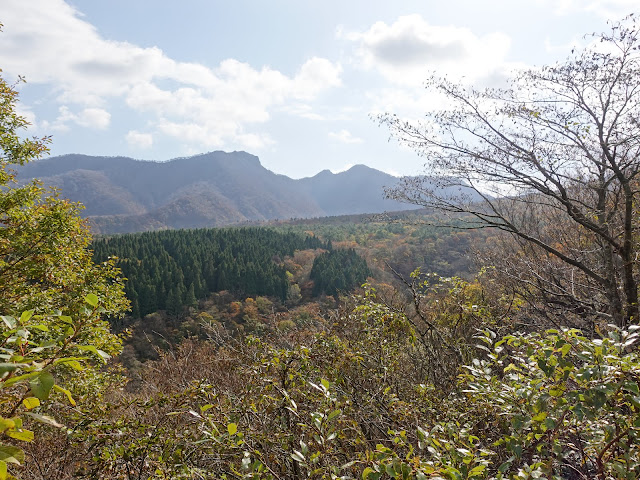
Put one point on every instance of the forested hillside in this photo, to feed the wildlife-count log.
(171, 269)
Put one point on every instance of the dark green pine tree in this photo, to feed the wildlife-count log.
(174, 302)
(190, 299)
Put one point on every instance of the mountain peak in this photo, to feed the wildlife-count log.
(219, 155)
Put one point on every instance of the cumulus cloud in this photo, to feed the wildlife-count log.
(94, 118)
(49, 42)
(406, 51)
(139, 140)
(344, 136)
(315, 76)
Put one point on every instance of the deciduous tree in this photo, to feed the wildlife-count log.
(557, 151)
(52, 294)
(44, 261)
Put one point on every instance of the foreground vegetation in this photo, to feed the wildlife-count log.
(441, 378)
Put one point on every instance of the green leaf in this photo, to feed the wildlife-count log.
(391, 471)
(92, 300)
(11, 454)
(506, 465)
(24, 318)
(68, 360)
(366, 472)
(20, 378)
(477, 470)
(22, 435)
(76, 365)
(232, 428)
(42, 328)
(3, 470)
(599, 399)
(58, 388)
(333, 415)
(30, 403)
(297, 456)
(6, 423)
(41, 385)
(90, 348)
(517, 421)
(539, 417)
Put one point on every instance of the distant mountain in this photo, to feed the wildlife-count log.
(214, 189)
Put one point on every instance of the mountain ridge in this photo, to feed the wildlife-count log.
(121, 194)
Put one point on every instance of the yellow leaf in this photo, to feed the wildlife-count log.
(31, 402)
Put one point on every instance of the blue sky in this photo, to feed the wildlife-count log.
(292, 81)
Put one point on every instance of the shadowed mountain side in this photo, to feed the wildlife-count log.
(357, 190)
(213, 189)
(99, 195)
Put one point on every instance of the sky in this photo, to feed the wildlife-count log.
(296, 82)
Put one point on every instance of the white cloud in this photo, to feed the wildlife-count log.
(344, 136)
(316, 75)
(302, 110)
(139, 140)
(220, 115)
(50, 43)
(408, 50)
(97, 118)
(205, 135)
(94, 118)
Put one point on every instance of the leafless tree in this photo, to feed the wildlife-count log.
(553, 160)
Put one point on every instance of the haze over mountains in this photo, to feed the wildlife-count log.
(209, 190)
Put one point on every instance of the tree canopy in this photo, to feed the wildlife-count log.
(555, 159)
(172, 268)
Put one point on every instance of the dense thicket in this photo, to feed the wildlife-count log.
(338, 271)
(171, 269)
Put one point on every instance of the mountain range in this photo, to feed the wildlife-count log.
(122, 195)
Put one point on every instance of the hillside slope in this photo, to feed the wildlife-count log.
(213, 189)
